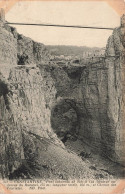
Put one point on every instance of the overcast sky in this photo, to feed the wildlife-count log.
(67, 13)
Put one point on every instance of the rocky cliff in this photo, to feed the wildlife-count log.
(43, 104)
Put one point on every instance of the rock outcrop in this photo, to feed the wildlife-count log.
(116, 90)
(30, 52)
(47, 102)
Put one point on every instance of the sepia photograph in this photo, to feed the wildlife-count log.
(62, 90)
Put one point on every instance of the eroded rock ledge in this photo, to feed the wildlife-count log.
(51, 102)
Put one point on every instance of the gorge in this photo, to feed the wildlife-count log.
(43, 105)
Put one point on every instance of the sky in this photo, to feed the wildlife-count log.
(66, 13)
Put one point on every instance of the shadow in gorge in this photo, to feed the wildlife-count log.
(64, 120)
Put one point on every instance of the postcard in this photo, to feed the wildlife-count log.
(62, 97)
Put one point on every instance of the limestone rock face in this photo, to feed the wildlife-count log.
(25, 50)
(30, 52)
(116, 42)
(115, 102)
(110, 50)
(8, 45)
(21, 50)
(26, 98)
(123, 20)
(80, 106)
(40, 53)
